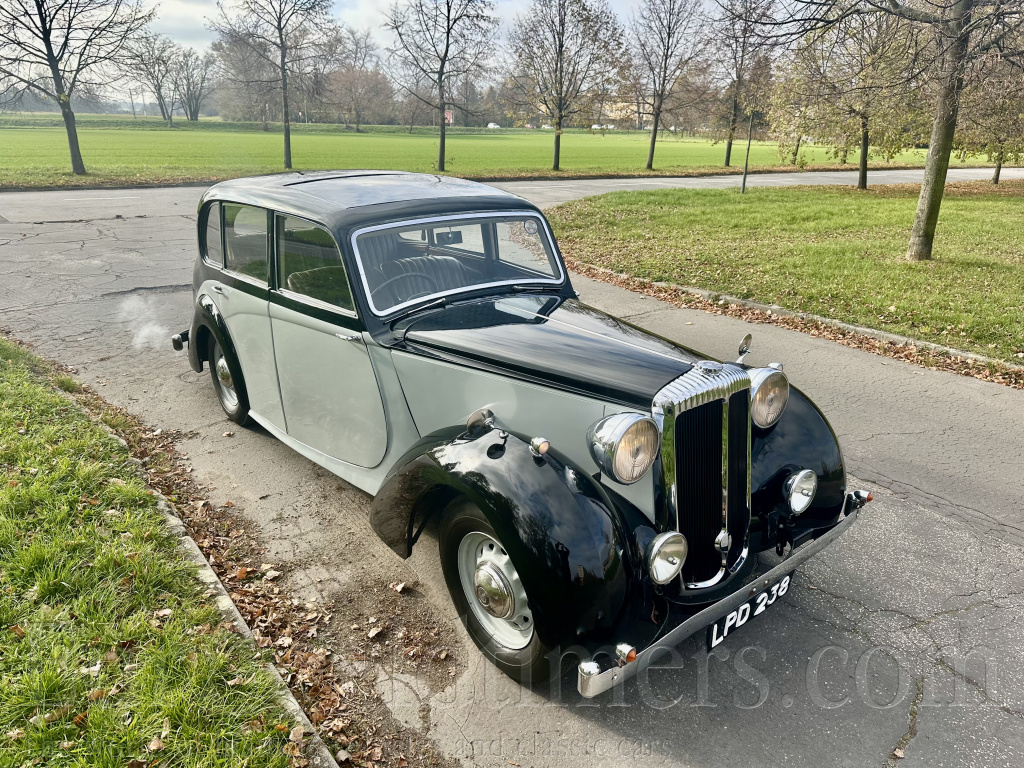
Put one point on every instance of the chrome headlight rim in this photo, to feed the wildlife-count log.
(658, 553)
(800, 489)
(605, 437)
(760, 377)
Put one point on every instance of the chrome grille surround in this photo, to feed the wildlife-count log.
(706, 382)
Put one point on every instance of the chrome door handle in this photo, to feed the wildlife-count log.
(218, 289)
(352, 337)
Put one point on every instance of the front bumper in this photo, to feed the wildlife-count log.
(591, 680)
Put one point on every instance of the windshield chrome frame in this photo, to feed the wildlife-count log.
(560, 280)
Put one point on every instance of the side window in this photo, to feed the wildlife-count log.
(211, 240)
(245, 240)
(309, 263)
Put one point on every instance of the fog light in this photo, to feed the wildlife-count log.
(665, 556)
(539, 446)
(800, 489)
(625, 653)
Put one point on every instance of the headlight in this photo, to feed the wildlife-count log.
(769, 393)
(665, 556)
(624, 445)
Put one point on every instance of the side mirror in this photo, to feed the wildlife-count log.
(745, 347)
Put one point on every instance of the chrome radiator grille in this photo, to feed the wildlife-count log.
(705, 421)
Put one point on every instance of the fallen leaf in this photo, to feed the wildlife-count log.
(899, 754)
(233, 683)
(376, 753)
(17, 630)
(155, 745)
(167, 728)
(110, 657)
(81, 720)
(229, 434)
(242, 573)
(229, 503)
(271, 575)
(374, 632)
(97, 694)
(402, 762)
(342, 756)
(116, 481)
(281, 728)
(297, 733)
(136, 763)
(68, 744)
(256, 724)
(16, 734)
(292, 749)
(399, 587)
(163, 613)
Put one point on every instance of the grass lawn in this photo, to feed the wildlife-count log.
(109, 656)
(832, 251)
(115, 152)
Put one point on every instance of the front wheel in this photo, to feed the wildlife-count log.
(489, 595)
(229, 386)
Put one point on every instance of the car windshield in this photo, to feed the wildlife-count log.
(403, 264)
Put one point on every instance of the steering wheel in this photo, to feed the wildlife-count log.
(406, 276)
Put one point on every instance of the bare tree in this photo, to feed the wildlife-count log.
(153, 64)
(739, 36)
(961, 32)
(992, 113)
(564, 53)
(668, 37)
(247, 81)
(439, 42)
(279, 31)
(194, 81)
(853, 85)
(55, 48)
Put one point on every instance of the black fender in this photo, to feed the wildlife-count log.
(208, 321)
(564, 533)
(802, 439)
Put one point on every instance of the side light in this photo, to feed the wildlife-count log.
(800, 488)
(665, 556)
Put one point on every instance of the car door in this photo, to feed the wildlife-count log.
(241, 296)
(329, 391)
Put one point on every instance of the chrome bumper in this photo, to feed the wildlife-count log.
(591, 681)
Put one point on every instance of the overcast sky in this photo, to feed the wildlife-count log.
(185, 20)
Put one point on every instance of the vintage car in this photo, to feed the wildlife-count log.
(599, 492)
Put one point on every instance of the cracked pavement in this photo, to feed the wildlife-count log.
(905, 634)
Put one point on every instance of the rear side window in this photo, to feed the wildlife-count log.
(211, 242)
(309, 262)
(245, 240)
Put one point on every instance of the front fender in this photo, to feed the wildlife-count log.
(802, 439)
(564, 534)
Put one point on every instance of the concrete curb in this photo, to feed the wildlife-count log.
(775, 309)
(317, 752)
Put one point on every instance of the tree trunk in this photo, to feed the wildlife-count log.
(999, 167)
(284, 103)
(440, 144)
(862, 177)
(796, 150)
(936, 166)
(558, 145)
(654, 138)
(733, 118)
(77, 164)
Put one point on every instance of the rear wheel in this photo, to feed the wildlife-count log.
(489, 595)
(230, 387)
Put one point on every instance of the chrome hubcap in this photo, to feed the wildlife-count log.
(495, 593)
(227, 384)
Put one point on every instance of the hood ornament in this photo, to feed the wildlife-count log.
(745, 347)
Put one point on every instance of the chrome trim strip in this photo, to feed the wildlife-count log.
(590, 682)
(706, 382)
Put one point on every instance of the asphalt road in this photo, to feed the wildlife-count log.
(905, 633)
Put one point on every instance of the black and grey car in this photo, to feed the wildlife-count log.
(598, 491)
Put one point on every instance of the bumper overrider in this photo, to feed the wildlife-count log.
(595, 677)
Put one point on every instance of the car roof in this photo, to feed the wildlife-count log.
(340, 198)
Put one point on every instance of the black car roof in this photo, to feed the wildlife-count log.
(340, 199)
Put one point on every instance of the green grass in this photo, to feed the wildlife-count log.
(121, 151)
(85, 564)
(832, 251)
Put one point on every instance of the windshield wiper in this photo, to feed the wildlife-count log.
(436, 303)
(534, 288)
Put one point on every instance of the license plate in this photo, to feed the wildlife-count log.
(745, 613)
